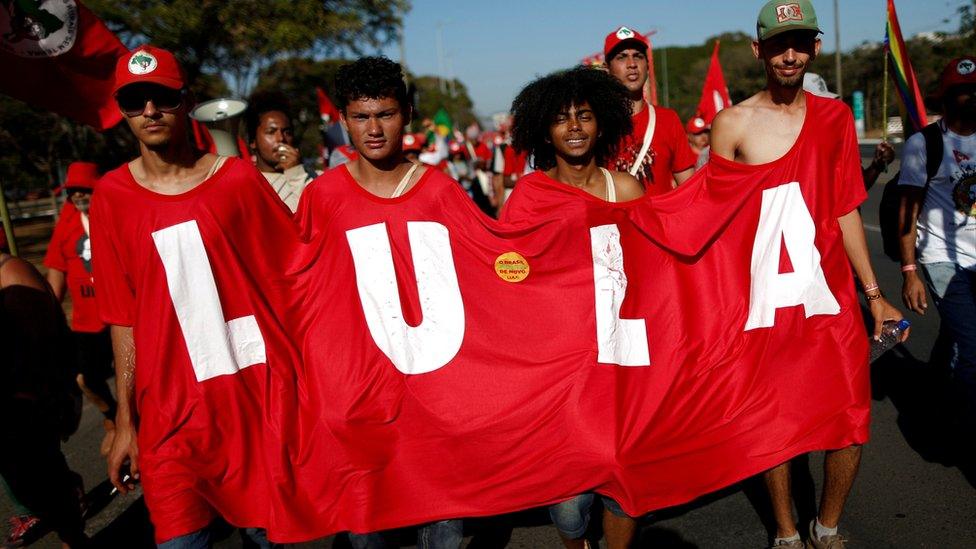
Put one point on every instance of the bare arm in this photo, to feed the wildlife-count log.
(124, 447)
(723, 141)
(913, 290)
(857, 251)
(56, 280)
(684, 175)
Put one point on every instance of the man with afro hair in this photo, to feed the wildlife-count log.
(570, 122)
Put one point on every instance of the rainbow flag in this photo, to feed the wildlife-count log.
(903, 75)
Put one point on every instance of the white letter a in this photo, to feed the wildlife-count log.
(784, 218)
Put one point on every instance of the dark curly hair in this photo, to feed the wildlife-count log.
(370, 78)
(536, 106)
(261, 103)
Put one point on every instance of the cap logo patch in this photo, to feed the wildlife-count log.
(142, 62)
(699, 123)
(409, 140)
(966, 67)
(788, 12)
(624, 33)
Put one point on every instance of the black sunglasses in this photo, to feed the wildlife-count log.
(132, 100)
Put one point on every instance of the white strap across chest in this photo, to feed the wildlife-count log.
(648, 135)
(611, 190)
(402, 185)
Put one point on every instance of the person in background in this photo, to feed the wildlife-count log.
(69, 263)
(39, 393)
(275, 152)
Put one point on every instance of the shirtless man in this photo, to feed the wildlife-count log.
(763, 129)
(569, 121)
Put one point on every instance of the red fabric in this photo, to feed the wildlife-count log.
(515, 161)
(715, 94)
(542, 420)
(482, 152)
(77, 83)
(70, 252)
(202, 138)
(524, 412)
(327, 110)
(212, 443)
(669, 151)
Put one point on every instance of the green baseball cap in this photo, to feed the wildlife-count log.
(779, 16)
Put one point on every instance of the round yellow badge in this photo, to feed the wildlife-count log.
(511, 267)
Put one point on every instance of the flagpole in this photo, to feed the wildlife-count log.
(884, 99)
(8, 226)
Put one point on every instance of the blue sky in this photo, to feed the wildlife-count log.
(497, 46)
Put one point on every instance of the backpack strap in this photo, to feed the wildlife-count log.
(934, 149)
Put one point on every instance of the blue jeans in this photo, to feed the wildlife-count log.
(201, 539)
(572, 517)
(953, 290)
(444, 534)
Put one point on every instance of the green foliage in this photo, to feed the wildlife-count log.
(242, 37)
(297, 78)
(687, 66)
(430, 98)
(863, 69)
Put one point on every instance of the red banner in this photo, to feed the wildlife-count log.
(715, 94)
(456, 366)
(58, 56)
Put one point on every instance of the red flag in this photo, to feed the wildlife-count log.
(201, 136)
(715, 94)
(328, 111)
(58, 56)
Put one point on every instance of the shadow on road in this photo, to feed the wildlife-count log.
(131, 529)
(931, 411)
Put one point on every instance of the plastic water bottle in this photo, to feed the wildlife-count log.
(890, 334)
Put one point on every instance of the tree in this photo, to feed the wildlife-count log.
(239, 38)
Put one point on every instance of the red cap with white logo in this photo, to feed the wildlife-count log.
(958, 72)
(696, 125)
(149, 64)
(621, 35)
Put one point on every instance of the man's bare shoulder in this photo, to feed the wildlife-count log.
(17, 272)
(627, 186)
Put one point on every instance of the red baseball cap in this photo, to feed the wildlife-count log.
(412, 142)
(696, 125)
(454, 147)
(621, 35)
(958, 72)
(149, 64)
(81, 175)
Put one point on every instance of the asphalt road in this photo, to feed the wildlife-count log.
(915, 488)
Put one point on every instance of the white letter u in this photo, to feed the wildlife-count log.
(432, 344)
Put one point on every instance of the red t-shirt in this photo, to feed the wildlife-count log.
(70, 253)
(514, 161)
(196, 276)
(669, 151)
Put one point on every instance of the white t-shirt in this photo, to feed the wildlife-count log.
(947, 221)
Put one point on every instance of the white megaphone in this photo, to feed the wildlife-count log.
(221, 117)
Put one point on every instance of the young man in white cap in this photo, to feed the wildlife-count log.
(813, 140)
(657, 152)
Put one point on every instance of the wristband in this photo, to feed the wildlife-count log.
(908, 268)
(870, 287)
(873, 297)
